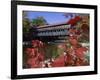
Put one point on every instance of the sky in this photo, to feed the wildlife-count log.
(50, 17)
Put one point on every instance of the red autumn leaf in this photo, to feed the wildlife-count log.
(72, 22)
(77, 18)
(28, 50)
(40, 56)
(69, 59)
(31, 52)
(79, 62)
(33, 63)
(80, 52)
(73, 40)
(35, 43)
(59, 62)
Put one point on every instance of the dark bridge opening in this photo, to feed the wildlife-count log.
(48, 34)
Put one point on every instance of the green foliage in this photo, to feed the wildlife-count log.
(39, 21)
(26, 23)
(51, 51)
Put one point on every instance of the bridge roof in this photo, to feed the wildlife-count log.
(53, 25)
(71, 22)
